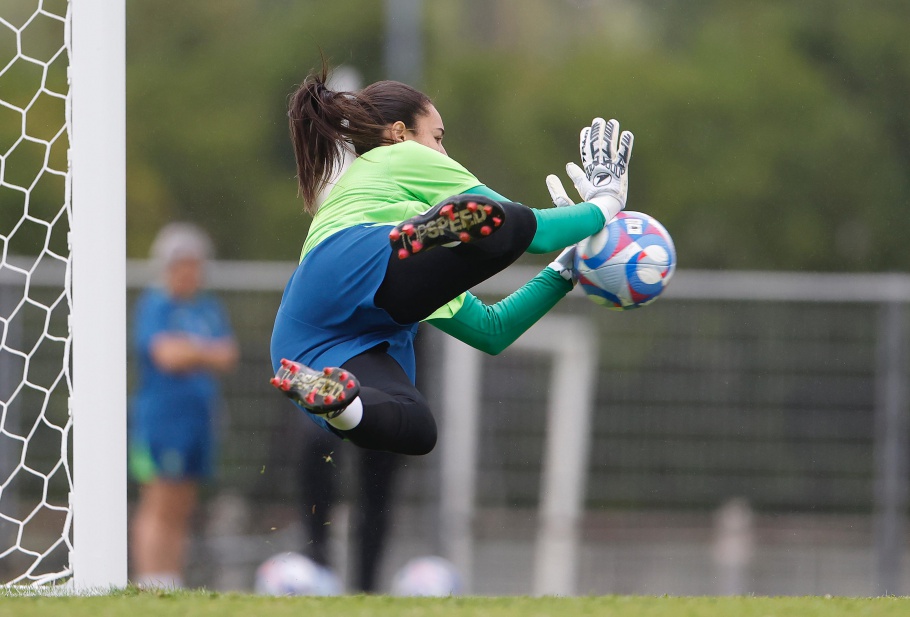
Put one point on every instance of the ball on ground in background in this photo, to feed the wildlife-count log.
(428, 576)
(292, 574)
(628, 263)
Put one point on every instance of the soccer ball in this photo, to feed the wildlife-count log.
(429, 576)
(292, 574)
(628, 263)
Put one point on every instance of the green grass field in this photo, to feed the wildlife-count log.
(132, 603)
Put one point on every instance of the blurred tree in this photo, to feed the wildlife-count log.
(863, 53)
(207, 124)
(745, 148)
(768, 135)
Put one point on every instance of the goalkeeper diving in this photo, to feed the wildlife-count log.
(400, 239)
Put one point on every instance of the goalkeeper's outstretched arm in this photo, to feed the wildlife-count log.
(492, 328)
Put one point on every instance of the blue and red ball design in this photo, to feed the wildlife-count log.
(628, 264)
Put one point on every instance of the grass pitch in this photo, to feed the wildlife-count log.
(134, 603)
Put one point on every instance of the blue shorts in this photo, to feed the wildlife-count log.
(170, 447)
(328, 314)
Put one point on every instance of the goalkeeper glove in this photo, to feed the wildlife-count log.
(605, 154)
(558, 193)
(565, 263)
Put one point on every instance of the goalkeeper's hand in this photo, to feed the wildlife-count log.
(605, 154)
(565, 263)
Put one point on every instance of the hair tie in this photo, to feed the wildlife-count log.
(322, 91)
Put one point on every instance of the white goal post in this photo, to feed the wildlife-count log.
(565, 461)
(63, 294)
(98, 176)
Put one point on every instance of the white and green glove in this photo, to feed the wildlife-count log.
(605, 155)
(564, 264)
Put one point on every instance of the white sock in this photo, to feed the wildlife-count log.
(349, 417)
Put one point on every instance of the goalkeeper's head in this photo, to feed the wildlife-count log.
(180, 252)
(324, 122)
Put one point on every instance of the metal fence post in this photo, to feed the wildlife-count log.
(891, 425)
(10, 416)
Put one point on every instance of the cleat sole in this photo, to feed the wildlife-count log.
(464, 218)
(324, 392)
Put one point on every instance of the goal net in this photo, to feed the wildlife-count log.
(49, 401)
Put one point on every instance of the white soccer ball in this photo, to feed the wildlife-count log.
(292, 574)
(628, 263)
(429, 576)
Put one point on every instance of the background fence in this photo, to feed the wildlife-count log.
(749, 435)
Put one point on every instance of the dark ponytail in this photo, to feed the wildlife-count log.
(322, 122)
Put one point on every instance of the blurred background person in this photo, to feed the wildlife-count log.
(321, 475)
(182, 339)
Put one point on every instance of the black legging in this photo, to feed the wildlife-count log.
(415, 287)
(396, 415)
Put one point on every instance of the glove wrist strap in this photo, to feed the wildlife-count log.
(561, 270)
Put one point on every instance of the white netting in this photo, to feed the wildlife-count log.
(35, 435)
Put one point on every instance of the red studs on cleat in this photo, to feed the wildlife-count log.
(322, 391)
(456, 220)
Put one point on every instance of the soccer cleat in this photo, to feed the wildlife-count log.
(463, 218)
(326, 392)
